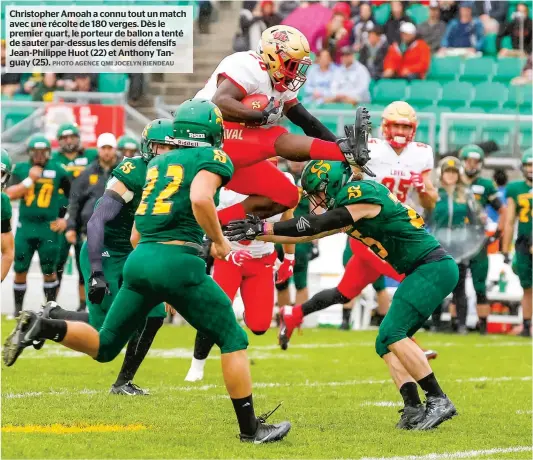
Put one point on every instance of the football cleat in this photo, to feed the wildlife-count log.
(438, 410)
(430, 354)
(267, 433)
(128, 389)
(45, 313)
(345, 326)
(525, 333)
(411, 416)
(194, 375)
(288, 323)
(25, 332)
(355, 145)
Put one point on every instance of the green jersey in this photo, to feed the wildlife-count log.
(484, 190)
(448, 212)
(43, 199)
(76, 166)
(520, 192)
(397, 234)
(165, 212)
(6, 210)
(132, 173)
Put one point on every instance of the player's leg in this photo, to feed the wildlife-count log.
(228, 276)
(522, 266)
(460, 300)
(302, 255)
(414, 301)
(271, 192)
(282, 289)
(24, 250)
(479, 268)
(81, 281)
(48, 249)
(348, 306)
(64, 248)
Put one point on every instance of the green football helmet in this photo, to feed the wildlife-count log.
(198, 123)
(6, 168)
(39, 142)
(527, 159)
(158, 131)
(68, 129)
(127, 143)
(324, 176)
(475, 152)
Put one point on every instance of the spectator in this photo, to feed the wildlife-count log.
(355, 6)
(492, 14)
(287, 7)
(351, 81)
(10, 81)
(205, 10)
(526, 77)
(520, 25)
(28, 82)
(392, 26)
(83, 83)
(90, 186)
(432, 30)
(464, 36)
(410, 59)
(372, 54)
(320, 77)
(44, 90)
(449, 10)
(363, 23)
(254, 19)
(336, 33)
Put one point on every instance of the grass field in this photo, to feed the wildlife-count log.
(336, 393)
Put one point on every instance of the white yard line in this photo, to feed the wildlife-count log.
(187, 388)
(460, 454)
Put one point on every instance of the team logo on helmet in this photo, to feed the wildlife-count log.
(218, 113)
(320, 168)
(280, 35)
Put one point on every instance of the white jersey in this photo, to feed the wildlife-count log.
(247, 71)
(393, 170)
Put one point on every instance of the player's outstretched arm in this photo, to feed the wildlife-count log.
(311, 126)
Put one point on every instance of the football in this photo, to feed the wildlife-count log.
(257, 101)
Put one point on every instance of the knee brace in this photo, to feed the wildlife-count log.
(481, 298)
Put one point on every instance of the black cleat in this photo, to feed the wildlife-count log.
(45, 313)
(438, 410)
(411, 416)
(128, 389)
(355, 145)
(25, 332)
(525, 333)
(345, 326)
(267, 433)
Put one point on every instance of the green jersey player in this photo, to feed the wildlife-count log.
(176, 208)
(41, 183)
(486, 193)
(7, 234)
(519, 207)
(370, 213)
(127, 146)
(108, 245)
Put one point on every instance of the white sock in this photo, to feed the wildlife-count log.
(198, 364)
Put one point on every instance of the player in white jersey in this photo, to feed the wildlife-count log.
(251, 268)
(277, 69)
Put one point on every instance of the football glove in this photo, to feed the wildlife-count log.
(286, 269)
(314, 252)
(98, 288)
(506, 258)
(247, 229)
(272, 113)
(417, 181)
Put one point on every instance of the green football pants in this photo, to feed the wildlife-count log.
(417, 297)
(522, 267)
(156, 272)
(34, 236)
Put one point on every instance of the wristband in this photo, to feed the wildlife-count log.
(28, 182)
(289, 257)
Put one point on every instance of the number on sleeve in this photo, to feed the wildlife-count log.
(354, 192)
(220, 156)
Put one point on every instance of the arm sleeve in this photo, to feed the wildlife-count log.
(75, 199)
(311, 126)
(311, 224)
(107, 209)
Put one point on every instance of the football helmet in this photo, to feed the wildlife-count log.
(324, 176)
(127, 143)
(475, 152)
(68, 129)
(158, 131)
(285, 52)
(39, 143)
(398, 112)
(198, 123)
(527, 159)
(6, 168)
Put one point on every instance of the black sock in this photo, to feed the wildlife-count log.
(409, 393)
(59, 274)
(346, 313)
(244, 409)
(137, 349)
(53, 329)
(527, 324)
(60, 313)
(50, 290)
(430, 385)
(202, 346)
(322, 300)
(483, 322)
(19, 291)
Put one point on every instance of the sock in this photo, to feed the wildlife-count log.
(346, 313)
(324, 150)
(50, 290)
(323, 300)
(198, 364)
(137, 349)
(527, 324)
(244, 409)
(430, 385)
(53, 329)
(202, 346)
(454, 323)
(483, 323)
(409, 394)
(60, 313)
(19, 291)
(235, 212)
(59, 274)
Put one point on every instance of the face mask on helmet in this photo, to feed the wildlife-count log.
(5, 177)
(69, 143)
(291, 74)
(398, 137)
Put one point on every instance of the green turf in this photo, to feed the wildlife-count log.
(328, 391)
